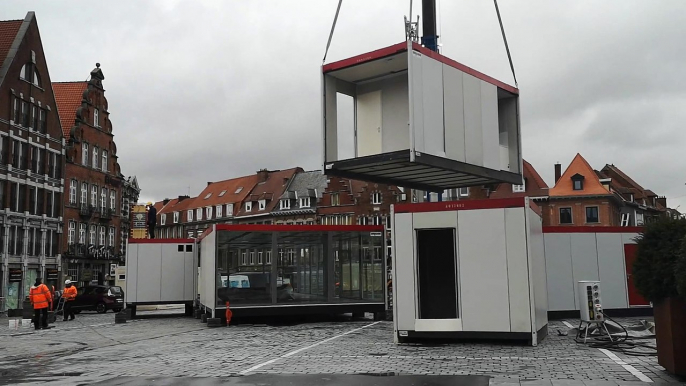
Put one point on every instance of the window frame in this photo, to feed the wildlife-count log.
(73, 184)
(218, 210)
(71, 232)
(105, 161)
(208, 212)
(189, 215)
(96, 118)
(111, 236)
(229, 210)
(261, 204)
(94, 196)
(571, 215)
(305, 202)
(163, 219)
(377, 198)
(176, 217)
(96, 158)
(285, 203)
(84, 193)
(84, 154)
(198, 214)
(248, 206)
(597, 209)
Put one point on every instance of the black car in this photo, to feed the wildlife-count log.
(100, 298)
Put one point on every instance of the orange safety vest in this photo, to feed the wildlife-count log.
(69, 293)
(40, 296)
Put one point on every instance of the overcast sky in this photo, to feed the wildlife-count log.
(208, 90)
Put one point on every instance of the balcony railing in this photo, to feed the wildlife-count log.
(78, 250)
(86, 210)
(106, 214)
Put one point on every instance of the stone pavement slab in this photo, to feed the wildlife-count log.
(94, 349)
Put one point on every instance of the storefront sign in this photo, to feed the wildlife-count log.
(15, 274)
(51, 274)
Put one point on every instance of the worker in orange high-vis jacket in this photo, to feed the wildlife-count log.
(41, 299)
(69, 295)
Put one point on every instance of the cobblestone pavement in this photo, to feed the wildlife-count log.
(93, 349)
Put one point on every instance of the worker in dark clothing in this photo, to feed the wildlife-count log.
(152, 220)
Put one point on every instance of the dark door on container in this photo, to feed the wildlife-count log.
(635, 298)
(437, 283)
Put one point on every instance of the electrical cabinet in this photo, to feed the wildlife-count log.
(591, 305)
(419, 120)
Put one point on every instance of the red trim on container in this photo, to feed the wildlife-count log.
(591, 229)
(205, 233)
(366, 57)
(161, 241)
(299, 228)
(535, 207)
(400, 47)
(516, 202)
(463, 68)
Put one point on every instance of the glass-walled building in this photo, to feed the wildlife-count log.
(319, 269)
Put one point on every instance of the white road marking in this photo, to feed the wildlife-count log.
(626, 366)
(566, 323)
(244, 372)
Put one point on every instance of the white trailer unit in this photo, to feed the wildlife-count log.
(161, 271)
(420, 120)
(469, 269)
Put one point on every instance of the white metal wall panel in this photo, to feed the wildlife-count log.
(453, 111)
(130, 293)
(208, 270)
(149, 266)
(558, 256)
(432, 79)
(434, 220)
(517, 270)
(483, 270)
(416, 100)
(369, 123)
(612, 270)
(190, 275)
(404, 268)
(628, 238)
(471, 92)
(173, 272)
(537, 262)
(489, 126)
(584, 259)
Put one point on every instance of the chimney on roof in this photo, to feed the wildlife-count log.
(165, 201)
(558, 172)
(262, 175)
(209, 183)
(181, 198)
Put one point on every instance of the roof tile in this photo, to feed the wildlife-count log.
(8, 32)
(68, 96)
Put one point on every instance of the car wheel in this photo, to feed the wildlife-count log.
(101, 308)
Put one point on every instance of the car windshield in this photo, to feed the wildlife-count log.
(115, 290)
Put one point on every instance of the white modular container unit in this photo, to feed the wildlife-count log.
(469, 269)
(161, 271)
(421, 120)
(604, 254)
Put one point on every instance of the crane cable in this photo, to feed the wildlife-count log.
(333, 27)
(507, 48)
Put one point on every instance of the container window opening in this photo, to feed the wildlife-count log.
(189, 248)
(437, 274)
(180, 248)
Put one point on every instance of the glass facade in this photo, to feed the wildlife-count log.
(259, 265)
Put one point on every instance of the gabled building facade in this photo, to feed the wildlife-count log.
(581, 198)
(31, 164)
(639, 205)
(264, 196)
(93, 216)
(298, 204)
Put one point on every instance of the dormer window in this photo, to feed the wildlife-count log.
(304, 202)
(519, 188)
(198, 214)
(219, 211)
(176, 217)
(262, 204)
(189, 215)
(248, 206)
(285, 204)
(578, 182)
(208, 213)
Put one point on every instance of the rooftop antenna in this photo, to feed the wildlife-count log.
(411, 28)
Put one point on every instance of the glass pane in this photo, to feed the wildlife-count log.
(301, 275)
(239, 280)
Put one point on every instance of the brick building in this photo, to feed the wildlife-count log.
(639, 205)
(93, 235)
(348, 202)
(31, 163)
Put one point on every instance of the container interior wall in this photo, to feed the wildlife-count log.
(392, 108)
(306, 267)
(508, 130)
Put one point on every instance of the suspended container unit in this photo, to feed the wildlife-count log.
(421, 120)
(469, 269)
(292, 269)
